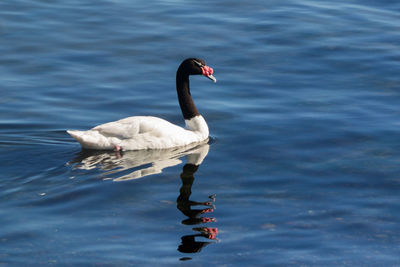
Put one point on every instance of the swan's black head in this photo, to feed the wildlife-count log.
(196, 66)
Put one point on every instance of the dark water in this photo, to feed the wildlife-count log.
(303, 168)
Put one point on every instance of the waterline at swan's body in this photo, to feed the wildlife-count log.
(142, 132)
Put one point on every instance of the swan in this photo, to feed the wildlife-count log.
(148, 132)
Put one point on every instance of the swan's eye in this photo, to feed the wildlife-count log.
(198, 63)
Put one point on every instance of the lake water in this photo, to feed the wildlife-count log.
(303, 165)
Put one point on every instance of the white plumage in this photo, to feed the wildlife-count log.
(142, 132)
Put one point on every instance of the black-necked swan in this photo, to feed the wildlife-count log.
(147, 132)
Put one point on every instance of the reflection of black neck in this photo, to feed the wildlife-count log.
(186, 103)
(183, 202)
(189, 244)
(187, 181)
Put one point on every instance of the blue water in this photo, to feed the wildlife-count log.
(303, 167)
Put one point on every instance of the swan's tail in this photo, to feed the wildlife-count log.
(91, 139)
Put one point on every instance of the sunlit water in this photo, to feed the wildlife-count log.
(303, 167)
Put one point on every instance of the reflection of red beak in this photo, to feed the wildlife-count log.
(209, 231)
(212, 236)
(212, 232)
(207, 210)
(207, 220)
(208, 72)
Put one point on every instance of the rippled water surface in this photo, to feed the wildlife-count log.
(303, 165)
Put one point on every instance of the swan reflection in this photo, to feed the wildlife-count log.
(129, 165)
(123, 166)
(185, 205)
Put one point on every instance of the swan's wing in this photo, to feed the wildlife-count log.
(118, 129)
(132, 127)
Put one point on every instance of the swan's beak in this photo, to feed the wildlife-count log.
(208, 71)
(212, 78)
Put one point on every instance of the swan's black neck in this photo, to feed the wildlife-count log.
(186, 103)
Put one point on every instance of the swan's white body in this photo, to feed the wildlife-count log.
(142, 132)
